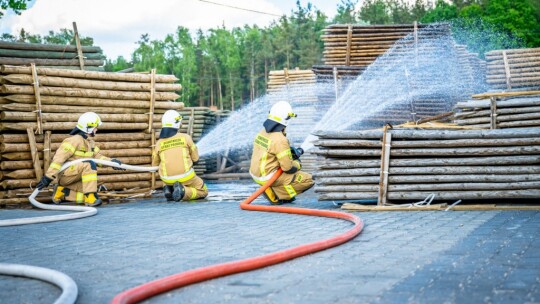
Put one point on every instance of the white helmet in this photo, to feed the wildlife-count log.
(281, 112)
(88, 122)
(171, 119)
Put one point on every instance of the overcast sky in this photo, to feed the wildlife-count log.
(117, 25)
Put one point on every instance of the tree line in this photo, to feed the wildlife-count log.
(226, 67)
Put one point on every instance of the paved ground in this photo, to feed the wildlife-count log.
(415, 257)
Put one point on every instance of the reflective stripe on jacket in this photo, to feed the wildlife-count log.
(270, 152)
(175, 156)
(73, 148)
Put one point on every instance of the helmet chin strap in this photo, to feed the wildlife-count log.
(92, 133)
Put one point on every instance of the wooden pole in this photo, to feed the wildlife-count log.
(79, 48)
(416, 42)
(153, 182)
(385, 164)
(493, 109)
(37, 95)
(191, 121)
(335, 72)
(507, 71)
(152, 99)
(47, 151)
(35, 158)
(349, 41)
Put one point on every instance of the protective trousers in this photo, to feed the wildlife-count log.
(288, 186)
(195, 189)
(81, 177)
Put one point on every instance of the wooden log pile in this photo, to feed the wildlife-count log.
(48, 102)
(51, 55)
(514, 69)
(411, 54)
(360, 45)
(411, 164)
(515, 111)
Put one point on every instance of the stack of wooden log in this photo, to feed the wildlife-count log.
(359, 45)
(51, 55)
(514, 69)
(425, 64)
(411, 164)
(48, 102)
(500, 110)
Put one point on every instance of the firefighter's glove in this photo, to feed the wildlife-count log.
(296, 152)
(44, 182)
(297, 164)
(114, 160)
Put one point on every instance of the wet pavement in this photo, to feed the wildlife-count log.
(400, 257)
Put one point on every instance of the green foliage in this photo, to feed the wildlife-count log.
(17, 6)
(375, 12)
(64, 36)
(494, 23)
(442, 12)
(117, 65)
(517, 17)
(346, 13)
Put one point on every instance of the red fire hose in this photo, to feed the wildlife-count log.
(162, 285)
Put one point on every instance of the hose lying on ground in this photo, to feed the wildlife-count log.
(162, 285)
(68, 286)
(84, 211)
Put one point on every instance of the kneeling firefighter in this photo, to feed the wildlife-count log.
(78, 183)
(175, 154)
(271, 150)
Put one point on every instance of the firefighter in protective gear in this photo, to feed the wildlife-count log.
(78, 183)
(175, 154)
(271, 150)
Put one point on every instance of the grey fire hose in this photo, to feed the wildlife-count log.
(82, 211)
(68, 286)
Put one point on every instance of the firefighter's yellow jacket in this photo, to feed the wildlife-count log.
(72, 148)
(271, 151)
(175, 156)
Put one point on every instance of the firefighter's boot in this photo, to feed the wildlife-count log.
(178, 192)
(92, 200)
(168, 191)
(59, 194)
(281, 202)
(270, 195)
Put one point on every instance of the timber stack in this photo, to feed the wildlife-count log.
(411, 64)
(361, 45)
(514, 69)
(52, 55)
(411, 164)
(497, 110)
(48, 102)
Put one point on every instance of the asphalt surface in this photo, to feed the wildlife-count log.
(400, 257)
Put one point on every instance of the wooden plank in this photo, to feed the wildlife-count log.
(37, 95)
(35, 159)
(79, 48)
(349, 41)
(152, 99)
(47, 150)
(435, 207)
(371, 208)
(385, 161)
